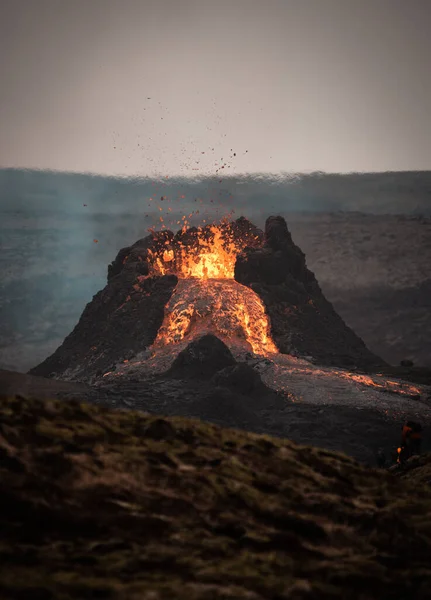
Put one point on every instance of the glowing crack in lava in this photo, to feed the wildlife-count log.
(207, 299)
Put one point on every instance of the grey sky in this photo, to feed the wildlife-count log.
(301, 85)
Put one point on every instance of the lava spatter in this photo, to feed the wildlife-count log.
(207, 253)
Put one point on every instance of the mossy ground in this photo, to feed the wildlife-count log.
(122, 505)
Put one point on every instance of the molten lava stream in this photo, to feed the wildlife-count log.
(224, 307)
(212, 258)
(207, 299)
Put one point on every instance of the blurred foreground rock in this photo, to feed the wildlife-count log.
(116, 504)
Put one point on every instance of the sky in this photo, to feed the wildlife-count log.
(182, 87)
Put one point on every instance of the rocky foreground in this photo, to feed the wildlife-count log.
(96, 503)
(284, 397)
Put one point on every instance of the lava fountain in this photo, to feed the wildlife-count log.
(207, 299)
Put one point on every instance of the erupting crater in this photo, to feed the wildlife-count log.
(207, 299)
(204, 253)
(251, 288)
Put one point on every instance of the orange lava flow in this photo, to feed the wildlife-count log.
(226, 308)
(210, 257)
(207, 299)
(386, 384)
(378, 382)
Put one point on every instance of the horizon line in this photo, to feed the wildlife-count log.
(282, 175)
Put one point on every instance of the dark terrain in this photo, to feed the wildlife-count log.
(375, 271)
(235, 397)
(105, 504)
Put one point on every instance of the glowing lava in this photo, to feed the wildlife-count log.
(207, 299)
(210, 255)
(229, 310)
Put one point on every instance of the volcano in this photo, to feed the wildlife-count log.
(227, 324)
(250, 288)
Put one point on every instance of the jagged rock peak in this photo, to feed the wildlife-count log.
(303, 322)
(277, 235)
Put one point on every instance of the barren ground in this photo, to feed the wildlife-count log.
(334, 409)
(120, 505)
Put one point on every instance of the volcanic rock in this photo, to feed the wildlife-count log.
(416, 469)
(355, 430)
(98, 504)
(134, 258)
(221, 404)
(202, 358)
(243, 229)
(406, 363)
(303, 322)
(241, 378)
(124, 318)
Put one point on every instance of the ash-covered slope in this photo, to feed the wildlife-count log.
(303, 321)
(115, 504)
(123, 319)
(120, 321)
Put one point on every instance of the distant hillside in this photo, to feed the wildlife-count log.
(375, 270)
(378, 193)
